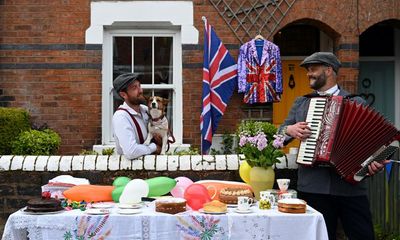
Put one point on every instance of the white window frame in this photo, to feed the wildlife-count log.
(176, 86)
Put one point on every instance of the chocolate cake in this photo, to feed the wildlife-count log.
(170, 205)
(43, 205)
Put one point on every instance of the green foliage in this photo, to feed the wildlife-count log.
(191, 151)
(88, 152)
(107, 151)
(227, 143)
(13, 121)
(380, 234)
(34, 142)
(259, 143)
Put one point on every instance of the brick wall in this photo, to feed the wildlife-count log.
(46, 67)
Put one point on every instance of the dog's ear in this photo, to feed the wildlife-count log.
(165, 101)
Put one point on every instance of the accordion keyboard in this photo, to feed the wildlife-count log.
(314, 119)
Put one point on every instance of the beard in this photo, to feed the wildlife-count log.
(318, 82)
(136, 100)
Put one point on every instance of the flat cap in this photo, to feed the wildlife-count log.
(325, 58)
(123, 81)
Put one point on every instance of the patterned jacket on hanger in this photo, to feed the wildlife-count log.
(260, 81)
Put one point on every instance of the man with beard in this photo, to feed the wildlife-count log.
(130, 120)
(321, 187)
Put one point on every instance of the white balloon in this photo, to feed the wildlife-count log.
(134, 191)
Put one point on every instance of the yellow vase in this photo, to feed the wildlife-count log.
(261, 179)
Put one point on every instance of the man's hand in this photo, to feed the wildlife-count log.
(375, 167)
(300, 131)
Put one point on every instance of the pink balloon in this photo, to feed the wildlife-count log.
(196, 195)
(181, 184)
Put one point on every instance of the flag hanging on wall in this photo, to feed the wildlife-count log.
(219, 81)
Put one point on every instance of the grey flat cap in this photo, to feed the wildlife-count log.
(325, 58)
(123, 81)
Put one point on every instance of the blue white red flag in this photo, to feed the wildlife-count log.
(219, 81)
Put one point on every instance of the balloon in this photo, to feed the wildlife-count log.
(181, 185)
(134, 191)
(244, 171)
(215, 186)
(89, 193)
(159, 186)
(196, 195)
(121, 181)
(116, 193)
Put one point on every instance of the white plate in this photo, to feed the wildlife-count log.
(102, 205)
(97, 211)
(41, 213)
(244, 211)
(128, 211)
(213, 213)
(235, 205)
(130, 206)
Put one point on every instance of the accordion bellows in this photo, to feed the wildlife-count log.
(345, 135)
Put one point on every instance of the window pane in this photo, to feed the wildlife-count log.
(168, 94)
(143, 58)
(163, 53)
(122, 55)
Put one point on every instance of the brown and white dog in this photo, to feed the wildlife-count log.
(158, 123)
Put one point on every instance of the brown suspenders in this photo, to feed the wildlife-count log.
(139, 130)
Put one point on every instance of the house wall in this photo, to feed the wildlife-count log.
(46, 67)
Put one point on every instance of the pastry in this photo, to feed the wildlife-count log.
(170, 205)
(215, 206)
(292, 205)
(230, 195)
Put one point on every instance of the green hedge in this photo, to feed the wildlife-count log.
(13, 121)
(35, 142)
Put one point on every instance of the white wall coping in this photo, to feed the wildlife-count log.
(118, 162)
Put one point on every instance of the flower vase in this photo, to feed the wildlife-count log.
(261, 179)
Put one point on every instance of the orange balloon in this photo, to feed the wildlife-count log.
(89, 193)
(215, 186)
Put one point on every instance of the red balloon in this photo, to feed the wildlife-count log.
(196, 195)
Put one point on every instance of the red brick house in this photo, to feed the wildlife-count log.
(58, 58)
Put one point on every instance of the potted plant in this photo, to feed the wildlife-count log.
(261, 146)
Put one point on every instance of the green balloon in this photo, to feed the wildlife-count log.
(116, 193)
(159, 186)
(121, 181)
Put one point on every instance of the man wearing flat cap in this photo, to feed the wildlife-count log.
(321, 187)
(130, 120)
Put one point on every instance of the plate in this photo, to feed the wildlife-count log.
(213, 213)
(129, 206)
(235, 205)
(102, 205)
(129, 211)
(97, 211)
(244, 211)
(41, 213)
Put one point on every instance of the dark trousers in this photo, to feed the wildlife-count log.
(353, 212)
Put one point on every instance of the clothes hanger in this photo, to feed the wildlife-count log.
(259, 37)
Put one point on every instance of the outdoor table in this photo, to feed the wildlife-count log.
(148, 224)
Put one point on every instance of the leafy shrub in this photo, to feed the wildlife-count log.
(88, 152)
(34, 142)
(107, 151)
(13, 121)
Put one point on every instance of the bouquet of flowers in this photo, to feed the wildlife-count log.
(259, 143)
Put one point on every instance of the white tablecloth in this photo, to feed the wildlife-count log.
(75, 224)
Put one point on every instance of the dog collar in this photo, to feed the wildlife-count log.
(156, 119)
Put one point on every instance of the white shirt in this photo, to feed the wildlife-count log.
(331, 91)
(125, 133)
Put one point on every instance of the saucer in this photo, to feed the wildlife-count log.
(129, 206)
(97, 211)
(128, 211)
(213, 213)
(102, 205)
(243, 211)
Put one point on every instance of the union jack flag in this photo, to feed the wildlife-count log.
(219, 81)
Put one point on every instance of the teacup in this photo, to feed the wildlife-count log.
(286, 196)
(244, 203)
(283, 184)
(267, 199)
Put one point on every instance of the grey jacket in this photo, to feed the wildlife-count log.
(322, 180)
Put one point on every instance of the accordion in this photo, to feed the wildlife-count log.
(346, 135)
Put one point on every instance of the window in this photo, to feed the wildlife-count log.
(157, 55)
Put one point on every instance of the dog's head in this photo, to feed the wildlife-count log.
(157, 106)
